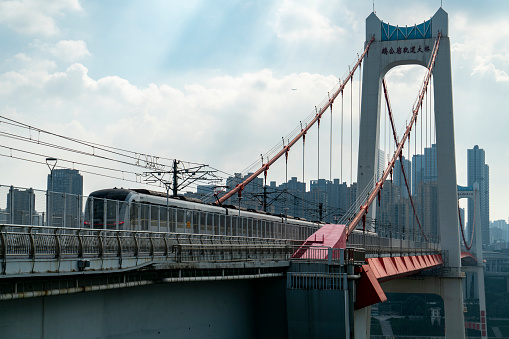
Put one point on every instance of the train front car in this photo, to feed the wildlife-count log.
(107, 209)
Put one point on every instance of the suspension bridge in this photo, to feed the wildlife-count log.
(181, 268)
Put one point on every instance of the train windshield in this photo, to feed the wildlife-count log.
(105, 209)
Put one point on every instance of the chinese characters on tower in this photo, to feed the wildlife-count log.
(406, 50)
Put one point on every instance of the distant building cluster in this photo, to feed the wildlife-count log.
(61, 206)
(499, 234)
(329, 201)
(323, 200)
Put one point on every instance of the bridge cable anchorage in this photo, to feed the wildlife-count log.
(304, 130)
(468, 247)
(399, 149)
(391, 118)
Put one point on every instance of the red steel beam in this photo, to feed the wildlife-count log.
(364, 208)
(286, 149)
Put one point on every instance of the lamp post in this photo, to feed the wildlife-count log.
(51, 163)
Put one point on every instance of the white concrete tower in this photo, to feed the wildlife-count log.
(394, 46)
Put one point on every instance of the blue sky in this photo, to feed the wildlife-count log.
(211, 82)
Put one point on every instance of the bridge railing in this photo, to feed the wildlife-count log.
(44, 241)
(44, 249)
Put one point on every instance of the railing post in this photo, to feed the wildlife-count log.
(151, 245)
(329, 255)
(32, 243)
(31, 205)
(91, 206)
(119, 242)
(11, 202)
(3, 243)
(117, 212)
(80, 244)
(136, 245)
(105, 213)
(101, 245)
(65, 209)
(57, 243)
(79, 199)
(166, 250)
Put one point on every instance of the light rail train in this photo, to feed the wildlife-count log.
(145, 210)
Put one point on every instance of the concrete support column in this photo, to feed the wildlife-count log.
(454, 318)
(369, 121)
(480, 263)
(447, 191)
(362, 323)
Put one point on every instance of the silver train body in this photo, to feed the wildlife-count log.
(144, 210)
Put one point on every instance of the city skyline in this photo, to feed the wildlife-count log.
(74, 68)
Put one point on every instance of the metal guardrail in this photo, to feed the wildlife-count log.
(52, 250)
(55, 242)
(43, 250)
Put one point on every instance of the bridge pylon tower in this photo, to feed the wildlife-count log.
(394, 46)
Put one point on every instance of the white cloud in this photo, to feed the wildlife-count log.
(225, 121)
(303, 22)
(33, 17)
(482, 46)
(66, 50)
(70, 50)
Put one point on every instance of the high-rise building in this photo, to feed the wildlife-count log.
(478, 171)
(424, 192)
(20, 207)
(499, 231)
(252, 196)
(424, 167)
(399, 178)
(65, 202)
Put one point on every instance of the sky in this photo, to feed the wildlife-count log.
(221, 82)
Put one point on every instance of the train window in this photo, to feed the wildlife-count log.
(234, 225)
(172, 218)
(228, 225)
(145, 210)
(216, 224)
(133, 214)
(203, 222)
(243, 226)
(222, 222)
(180, 221)
(249, 227)
(196, 222)
(154, 218)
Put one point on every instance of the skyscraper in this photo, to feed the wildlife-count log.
(20, 207)
(478, 171)
(399, 179)
(65, 198)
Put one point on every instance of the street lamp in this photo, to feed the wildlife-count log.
(51, 163)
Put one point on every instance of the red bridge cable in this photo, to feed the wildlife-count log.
(391, 117)
(266, 166)
(361, 215)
